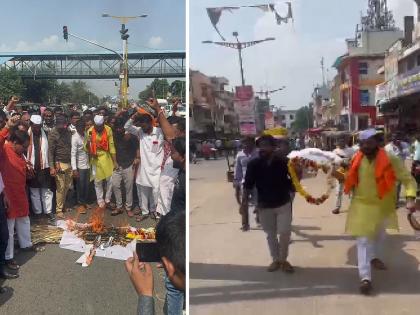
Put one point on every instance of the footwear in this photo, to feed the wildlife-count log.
(245, 227)
(336, 211)
(287, 267)
(51, 219)
(4, 274)
(117, 211)
(81, 209)
(155, 215)
(378, 264)
(130, 213)
(137, 211)
(33, 248)
(275, 265)
(365, 287)
(12, 264)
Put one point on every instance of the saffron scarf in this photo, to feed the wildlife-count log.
(384, 173)
(101, 144)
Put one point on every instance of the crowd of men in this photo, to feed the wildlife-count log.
(263, 187)
(106, 158)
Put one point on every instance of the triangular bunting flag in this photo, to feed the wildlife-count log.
(215, 14)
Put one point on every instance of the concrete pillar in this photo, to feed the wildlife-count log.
(418, 10)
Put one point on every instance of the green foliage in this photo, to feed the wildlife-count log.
(177, 88)
(160, 86)
(304, 119)
(10, 84)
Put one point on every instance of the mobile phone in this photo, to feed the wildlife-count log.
(148, 252)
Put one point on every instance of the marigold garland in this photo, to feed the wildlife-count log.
(309, 164)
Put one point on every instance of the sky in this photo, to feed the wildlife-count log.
(293, 60)
(37, 25)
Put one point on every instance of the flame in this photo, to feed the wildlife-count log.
(96, 220)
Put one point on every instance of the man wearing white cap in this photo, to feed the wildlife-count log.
(371, 179)
(101, 148)
(37, 154)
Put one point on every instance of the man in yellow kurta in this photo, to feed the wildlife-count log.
(371, 180)
(101, 148)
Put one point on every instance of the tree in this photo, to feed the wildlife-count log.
(177, 88)
(304, 119)
(10, 84)
(160, 86)
(38, 91)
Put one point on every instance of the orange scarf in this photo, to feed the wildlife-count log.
(102, 144)
(384, 173)
(145, 112)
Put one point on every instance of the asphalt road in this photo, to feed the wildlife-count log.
(228, 267)
(51, 283)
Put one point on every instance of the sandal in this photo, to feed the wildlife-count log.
(117, 211)
(34, 248)
(81, 209)
(12, 264)
(287, 267)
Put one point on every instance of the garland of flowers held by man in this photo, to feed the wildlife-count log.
(299, 162)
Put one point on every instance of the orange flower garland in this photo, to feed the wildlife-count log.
(309, 164)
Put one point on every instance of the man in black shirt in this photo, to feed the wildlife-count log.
(178, 157)
(128, 157)
(269, 174)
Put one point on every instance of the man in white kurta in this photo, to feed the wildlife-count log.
(151, 155)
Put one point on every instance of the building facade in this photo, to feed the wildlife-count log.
(358, 68)
(211, 107)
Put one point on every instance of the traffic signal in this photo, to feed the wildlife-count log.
(123, 31)
(65, 33)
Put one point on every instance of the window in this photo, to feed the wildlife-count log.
(292, 117)
(363, 68)
(410, 63)
(364, 97)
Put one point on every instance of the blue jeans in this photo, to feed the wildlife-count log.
(83, 186)
(174, 301)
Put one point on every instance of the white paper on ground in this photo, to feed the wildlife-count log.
(70, 241)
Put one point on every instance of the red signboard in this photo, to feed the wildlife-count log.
(244, 93)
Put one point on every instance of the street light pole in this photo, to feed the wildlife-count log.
(240, 57)
(124, 62)
(239, 46)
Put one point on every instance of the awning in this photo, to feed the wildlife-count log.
(339, 60)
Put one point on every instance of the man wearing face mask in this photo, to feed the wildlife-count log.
(269, 174)
(371, 179)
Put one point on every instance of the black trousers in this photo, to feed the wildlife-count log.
(4, 231)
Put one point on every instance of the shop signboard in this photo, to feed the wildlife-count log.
(244, 93)
(248, 128)
(269, 120)
(244, 105)
(409, 83)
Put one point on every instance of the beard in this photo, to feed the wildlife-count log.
(177, 165)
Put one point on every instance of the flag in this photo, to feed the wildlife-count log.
(264, 7)
(285, 19)
(215, 14)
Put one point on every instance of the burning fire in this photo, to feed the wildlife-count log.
(96, 221)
